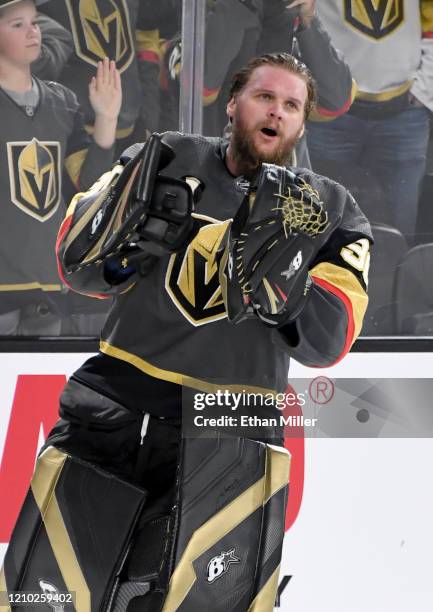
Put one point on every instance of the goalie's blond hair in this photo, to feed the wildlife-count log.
(280, 60)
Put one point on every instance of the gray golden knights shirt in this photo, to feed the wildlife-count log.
(45, 153)
(169, 328)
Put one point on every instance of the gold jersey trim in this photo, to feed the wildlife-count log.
(30, 287)
(385, 95)
(120, 133)
(174, 377)
(427, 15)
(74, 163)
(323, 115)
(149, 40)
(347, 282)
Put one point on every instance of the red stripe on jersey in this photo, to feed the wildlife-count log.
(148, 56)
(350, 321)
(335, 113)
(210, 95)
(64, 228)
(210, 91)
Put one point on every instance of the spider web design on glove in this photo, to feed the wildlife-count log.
(302, 210)
(273, 239)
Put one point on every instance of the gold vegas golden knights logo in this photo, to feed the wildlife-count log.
(101, 29)
(376, 18)
(34, 175)
(192, 276)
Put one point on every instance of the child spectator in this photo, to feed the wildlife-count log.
(43, 147)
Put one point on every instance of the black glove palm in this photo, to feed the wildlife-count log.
(270, 247)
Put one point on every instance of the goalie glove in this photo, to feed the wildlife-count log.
(137, 211)
(272, 240)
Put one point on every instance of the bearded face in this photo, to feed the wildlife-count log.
(277, 149)
(267, 119)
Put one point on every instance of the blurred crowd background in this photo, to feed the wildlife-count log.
(59, 101)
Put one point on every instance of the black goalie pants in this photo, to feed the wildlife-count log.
(124, 516)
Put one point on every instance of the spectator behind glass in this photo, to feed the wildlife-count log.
(238, 30)
(56, 48)
(42, 133)
(156, 23)
(128, 32)
(385, 132)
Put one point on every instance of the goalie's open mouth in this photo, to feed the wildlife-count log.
(268, 132)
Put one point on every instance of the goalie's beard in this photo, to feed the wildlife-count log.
(246, 155)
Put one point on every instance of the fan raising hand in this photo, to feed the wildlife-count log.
(105, 95)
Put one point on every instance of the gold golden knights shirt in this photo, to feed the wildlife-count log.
(43, 153)
(169, 327)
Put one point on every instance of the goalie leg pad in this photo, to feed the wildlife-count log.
(72, 534)
(223, 541)
(85, 531)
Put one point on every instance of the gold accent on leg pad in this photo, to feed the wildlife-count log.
(278, 461)
(206, 536)
(265, 599)
(48, 469)
(227, 519)
(3, 589)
